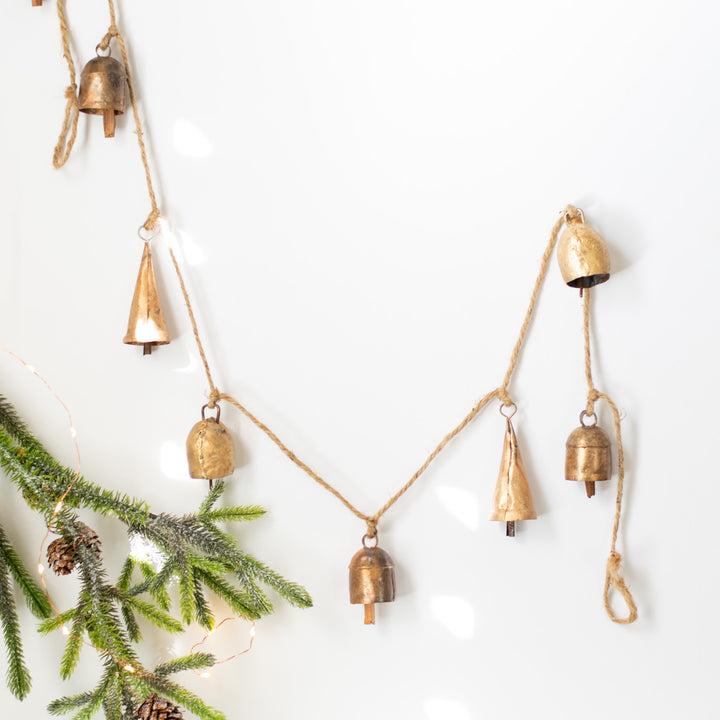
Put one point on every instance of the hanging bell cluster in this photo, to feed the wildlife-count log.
(146, 325)
(372, 579)
(582, 254)
(512, 500)
(103, 90)
(587, 455)
(210, 449)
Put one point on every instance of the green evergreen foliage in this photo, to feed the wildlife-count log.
(194, 551)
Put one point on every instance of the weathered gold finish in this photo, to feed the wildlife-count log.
(103, 84)
(512, 500)
(37, 3)
(587, 455)
(582, 255)
(146, 325)
(372, 579)
(210, 449)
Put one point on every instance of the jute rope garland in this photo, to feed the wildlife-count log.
(501, 393)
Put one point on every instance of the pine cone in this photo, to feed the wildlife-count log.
(61, 556)
(89, 538)
(62, 553)
(156, 708)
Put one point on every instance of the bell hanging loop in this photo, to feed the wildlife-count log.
(372, 578)
(582, 253)
(587, 454)
(210, 449)
(146, 324)
(512, 500)
(103, 90)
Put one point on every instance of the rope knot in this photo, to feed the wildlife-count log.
(371, 527)
(213, 398)
(504, 396)
(592, 398)
(152, 219)
(573, 214)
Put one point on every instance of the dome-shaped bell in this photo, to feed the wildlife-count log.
(587, 455)
(210, 449)
(103, 84)
(582, 256)
(372, 579)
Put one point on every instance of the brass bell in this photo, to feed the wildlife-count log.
(146, 325)
(582, 255)
(587, 455)
(210, 449)
(103, 83)
(512, 500)
(372, 579)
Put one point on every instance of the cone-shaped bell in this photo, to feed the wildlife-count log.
(372, 579)
(210, 449)
(582, 256)
(512, 500)
(146, 325)
(103, 83)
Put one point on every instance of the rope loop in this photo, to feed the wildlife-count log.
(614, 580)
(68, 133)
(371, 526)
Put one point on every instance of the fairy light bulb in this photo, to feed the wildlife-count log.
(40, 569)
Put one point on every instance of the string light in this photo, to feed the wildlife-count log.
(205, 675)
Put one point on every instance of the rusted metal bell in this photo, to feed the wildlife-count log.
(146, 325)
(587, 455)
(582, 255)
(512, 500)
(210, 449)
(372, 579)
(103, 84)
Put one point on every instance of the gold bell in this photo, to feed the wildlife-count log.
(102, 90)
(587, 455)
(512, 500)
(582, 255)
(210, 449)
(146, 325)
(372, 579)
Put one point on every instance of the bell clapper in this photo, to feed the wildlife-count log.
(510, 528)
(590, 488)
(147, 348)
(109, 123)
(370, 614)
(37, 3)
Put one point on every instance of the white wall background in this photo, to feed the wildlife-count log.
(362, 192)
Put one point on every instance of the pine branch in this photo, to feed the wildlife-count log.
(192, 548)
(196, 661)
(35, 598)
(18, 676)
